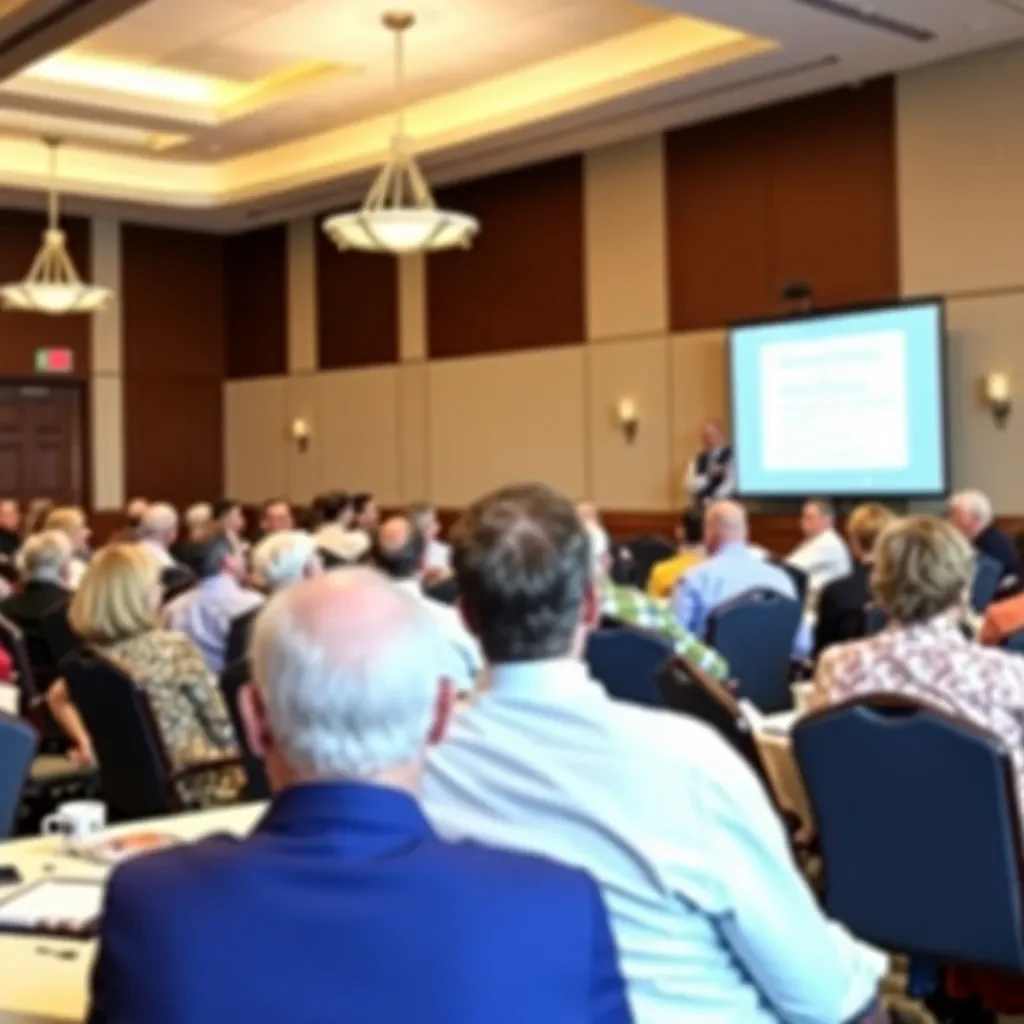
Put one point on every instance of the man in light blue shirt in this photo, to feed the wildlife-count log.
(732, 568)
(205, 612)
(712, 920)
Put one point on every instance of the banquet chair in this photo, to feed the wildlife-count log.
(754, 632)
(918, 827)
(17, 749)
(875, 620)
(136, 775)
(626, 661)
(987, 574)
(1015, 642)
(232, 679)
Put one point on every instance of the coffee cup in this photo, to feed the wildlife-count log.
(76, 820)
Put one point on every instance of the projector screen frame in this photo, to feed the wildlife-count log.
(937, 301)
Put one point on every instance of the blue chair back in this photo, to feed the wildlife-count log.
(875, 620)
(754, 632)
(626, 661)
(1015, 642)
(987, 574)
(17, 749)
(918, 823)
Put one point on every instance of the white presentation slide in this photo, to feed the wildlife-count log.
(835, 404)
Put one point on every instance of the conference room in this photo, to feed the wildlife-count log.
(314, 312)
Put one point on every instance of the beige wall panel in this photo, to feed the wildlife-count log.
(359, 428)
(498, 419)
(302, 319)
(105, 262)
(624, 195)
(412, 307)
(961, 150)
(414, 450)
(107, 403)
(985, 336)
(700, 391)
(255, 438)
(624, 475)
(304, 469)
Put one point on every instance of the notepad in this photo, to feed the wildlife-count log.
(54, 906)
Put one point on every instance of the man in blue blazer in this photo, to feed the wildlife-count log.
(343, 906)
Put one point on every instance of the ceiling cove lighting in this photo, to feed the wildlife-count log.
(399, 214)
(53, 286)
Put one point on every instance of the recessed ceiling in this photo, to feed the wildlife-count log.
(249, 110)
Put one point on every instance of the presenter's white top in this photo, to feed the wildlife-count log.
(698, 482)
(824, 558)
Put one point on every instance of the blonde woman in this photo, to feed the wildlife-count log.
(116, 611)
(71, 522)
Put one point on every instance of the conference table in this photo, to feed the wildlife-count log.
(45, 981)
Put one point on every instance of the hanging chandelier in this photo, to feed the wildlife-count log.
(53, 285)
(399, 214)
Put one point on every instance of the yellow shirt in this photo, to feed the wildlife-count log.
(665, 575)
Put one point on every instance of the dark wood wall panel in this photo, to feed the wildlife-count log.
(174, 363)
(22, 333)
(521, 286)
(357, 305)
(804, 190)
(256, 303)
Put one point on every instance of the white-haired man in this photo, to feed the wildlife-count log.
(971, 513)
(158, 530)
(278, 561)
(344, 892)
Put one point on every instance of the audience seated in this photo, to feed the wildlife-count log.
(339, 542)
(633, 607)
(10, 528)
(276, 517)
(205, 613)
(45, 562)
(157, 531)
(399, 551)
(732, 567)
(71, 522)
(35, 516)
(842, 604)
(921, 576)
(278, 561)
(713, 921)
(344, 905)
(116, 611)
(971, 513)
(438, 559)
(666, 575)
(822, 556)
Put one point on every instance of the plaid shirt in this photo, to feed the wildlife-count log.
(635, 608)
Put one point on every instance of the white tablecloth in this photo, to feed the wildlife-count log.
(40, 989)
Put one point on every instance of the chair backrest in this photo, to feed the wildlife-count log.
(755, 632)
(135, 772)
(1015, 642)
(987, 574)
(232, 679)
(626, 661)
(647, 551)
(918, 822)
(13, 641)
(687, 689)
(796, 574)
(875, 620)
(17, 749)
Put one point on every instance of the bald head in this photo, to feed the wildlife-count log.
(349, 671)
(399, 548)
(725, 522)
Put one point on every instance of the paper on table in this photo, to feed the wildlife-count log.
(67, 905)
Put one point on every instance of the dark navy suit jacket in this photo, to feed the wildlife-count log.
(344, 908)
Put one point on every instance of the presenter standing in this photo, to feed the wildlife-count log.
(710, 475)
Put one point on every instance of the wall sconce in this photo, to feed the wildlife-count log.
(301, 433)
(997, 396)
(628, 417)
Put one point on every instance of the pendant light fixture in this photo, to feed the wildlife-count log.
(399, 214)
(53, 286)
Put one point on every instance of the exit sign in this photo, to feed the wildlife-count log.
(55, 360)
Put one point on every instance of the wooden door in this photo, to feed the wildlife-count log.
(41, 443)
